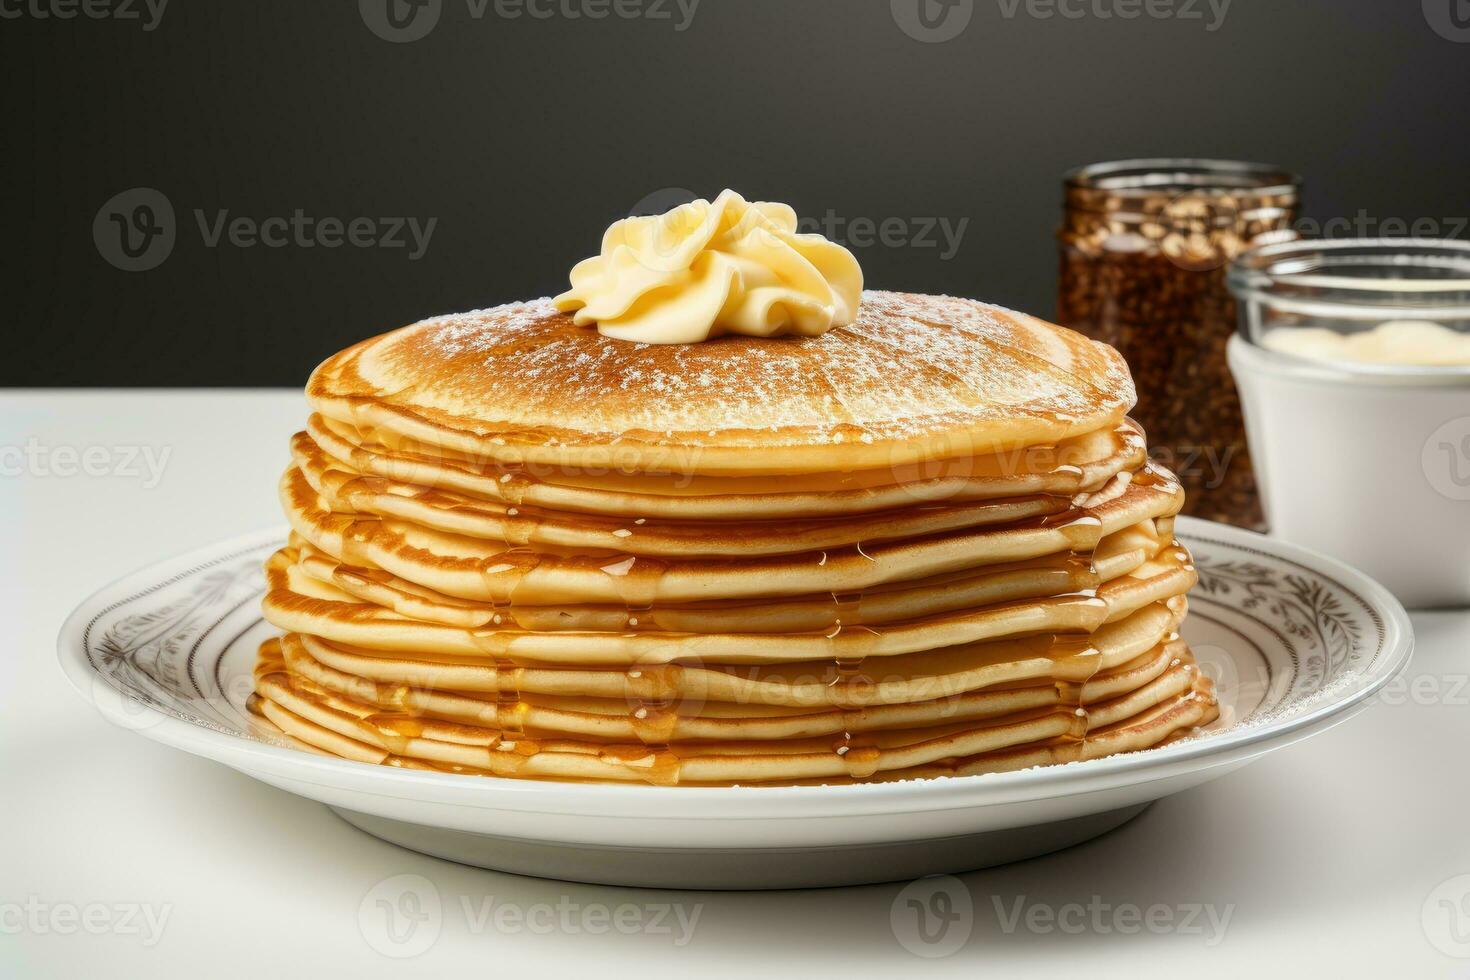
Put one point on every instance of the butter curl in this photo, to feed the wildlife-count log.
(729, 266)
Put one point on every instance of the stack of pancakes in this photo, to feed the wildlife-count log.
(928, 543)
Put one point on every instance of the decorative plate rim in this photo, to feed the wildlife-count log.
(1218, 748)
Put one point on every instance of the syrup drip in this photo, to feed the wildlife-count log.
(504, 575)
(653, 690)
(1155, 479)
(657, 766)
(510, 482)
(1075, 660)
(640, 617)
(653, 706)
(396, 729)
(846, 615)
(355, 540)
(860, 758)
(635, 579)
(369, 431)
(653, 711)
(654, 722)
(506, 757)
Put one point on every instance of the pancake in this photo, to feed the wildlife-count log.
(893, 680)
(321, 610)
(444, 743)
(927, 542)
(915, 378)
(345, 491)
(1075, 465)
(1168, 721)
(681, 721)
(486, 570)
(1117, 554)
(1174, 719)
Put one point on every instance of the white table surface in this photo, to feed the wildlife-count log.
(1325, 856)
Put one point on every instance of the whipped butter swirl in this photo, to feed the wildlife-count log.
(707, 268)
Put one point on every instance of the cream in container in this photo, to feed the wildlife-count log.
(1353, 365)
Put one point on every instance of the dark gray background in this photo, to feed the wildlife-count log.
(524, 137)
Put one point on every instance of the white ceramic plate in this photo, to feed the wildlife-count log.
(1295, 641)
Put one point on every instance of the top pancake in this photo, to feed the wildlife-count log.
(915, 378)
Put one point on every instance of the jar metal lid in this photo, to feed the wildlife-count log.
(1153, 176)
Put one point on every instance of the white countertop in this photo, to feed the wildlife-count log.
(120, 857)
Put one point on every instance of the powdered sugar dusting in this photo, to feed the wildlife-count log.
(911, 364)
(453, 334)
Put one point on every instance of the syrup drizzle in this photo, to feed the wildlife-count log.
(1075, 659)
(653, 690)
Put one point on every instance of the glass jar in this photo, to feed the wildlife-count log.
(1352, 287)
(1353, 361)
(1144, 247)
